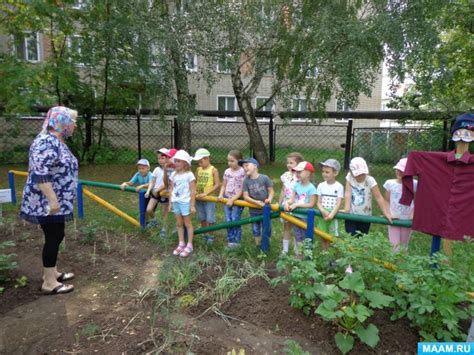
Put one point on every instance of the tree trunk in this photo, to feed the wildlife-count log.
(185, 101)
(106, 83)
(248, 114)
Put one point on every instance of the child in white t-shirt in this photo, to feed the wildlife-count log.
(398, 236)
(288, 180)
(360, 187)
(330, 194)
(183, 200)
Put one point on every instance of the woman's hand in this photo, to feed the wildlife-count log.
(53, 207)
(193, 209)
(147, 194)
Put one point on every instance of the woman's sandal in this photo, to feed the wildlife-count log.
(179, 250)
(58, 290)
(65, 276)
(185, 253)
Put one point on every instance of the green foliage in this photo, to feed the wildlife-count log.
(436, 54)
(7, 264)
(344, 299)
(293, 348)
(234, 276)
(433, 297)
(21, 281)
(89, 232)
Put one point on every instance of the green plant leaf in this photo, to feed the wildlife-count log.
(369, 336)
(377, 299)
(327, 309)
(353, 282)
(344, 342)
(362, 312)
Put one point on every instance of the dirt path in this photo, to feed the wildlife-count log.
(105, 300)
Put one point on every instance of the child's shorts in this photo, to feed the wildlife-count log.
(331, 227)
(182, 208)
(357, 229)
(300, 234)
(206, 211)
(161, 199)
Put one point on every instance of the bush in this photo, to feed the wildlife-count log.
(427, 290)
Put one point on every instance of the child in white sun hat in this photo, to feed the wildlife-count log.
(398, 236)
(360, 188)
(182, 200)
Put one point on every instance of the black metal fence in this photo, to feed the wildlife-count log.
(126, 138)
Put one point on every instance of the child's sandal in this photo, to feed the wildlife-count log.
(179, 250)
(185, 253)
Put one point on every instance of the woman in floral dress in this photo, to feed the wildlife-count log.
(50, 190)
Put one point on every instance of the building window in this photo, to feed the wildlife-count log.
(226, 103)
(223, 65)
(342, 105)
(259, 101)
(74, 44)
(78, 4)
(191, 62)
(301, 105)
(312, 73)
(27, 47)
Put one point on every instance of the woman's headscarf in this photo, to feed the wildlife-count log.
(61, 119)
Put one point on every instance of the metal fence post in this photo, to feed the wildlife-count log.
(270, 139)
(435, 244)
(139, 138)
(267, 225)
(175, 133)
(142, 208)
(80, 202)
(310, 224)
(348, 146)
(445, 135)
(11, 183)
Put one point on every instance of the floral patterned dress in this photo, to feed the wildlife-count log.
(50, 160)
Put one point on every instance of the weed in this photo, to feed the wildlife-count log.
(21, 281)
(89, 232)
(7, 264)
(293, 348)
(89, 330)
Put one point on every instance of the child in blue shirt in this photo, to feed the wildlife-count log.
(142, 177)
(303, 195)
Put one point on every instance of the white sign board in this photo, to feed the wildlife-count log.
(5, 195)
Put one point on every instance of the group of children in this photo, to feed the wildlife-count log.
(242, 181)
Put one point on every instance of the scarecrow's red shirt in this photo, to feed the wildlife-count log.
(444, 199)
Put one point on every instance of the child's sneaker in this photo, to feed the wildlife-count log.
(152, 224)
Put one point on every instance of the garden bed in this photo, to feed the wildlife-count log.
(132, 297)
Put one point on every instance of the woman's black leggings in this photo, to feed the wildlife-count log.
(53, 236)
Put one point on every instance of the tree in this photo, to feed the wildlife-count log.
(436, 55)
(341, 43)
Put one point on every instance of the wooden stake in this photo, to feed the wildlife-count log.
(125, 236)
(93, 257)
